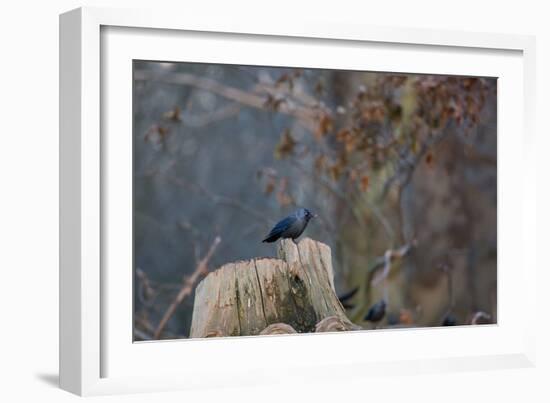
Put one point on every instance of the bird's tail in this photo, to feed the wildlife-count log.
(271, 238)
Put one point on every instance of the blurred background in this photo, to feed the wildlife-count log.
(400, 168)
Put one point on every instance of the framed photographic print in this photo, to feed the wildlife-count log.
(241, 199)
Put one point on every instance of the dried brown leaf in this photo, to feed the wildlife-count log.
(286, 145)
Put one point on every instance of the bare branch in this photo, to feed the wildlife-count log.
(382, 262)
(146, 292)
(187, 287)
(197, 121)
(144, 323)
(334, 191)
(451, 301)
(218, 199)
(141, 334)
(478, 316)
(305, 115)
(407, 167)
(385, 261)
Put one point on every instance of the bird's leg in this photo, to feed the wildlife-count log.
(295, 242)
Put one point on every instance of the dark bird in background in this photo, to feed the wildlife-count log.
(449, 320)
(344, 298)
(376, 312)
(291, 226)
(393, 319)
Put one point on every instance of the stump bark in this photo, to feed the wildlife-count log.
(293, 293)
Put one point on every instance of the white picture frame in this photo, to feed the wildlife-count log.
(96, 354)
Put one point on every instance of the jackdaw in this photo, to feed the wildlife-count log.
(449, 320)
(344, 298)
(376, 312)
(291, 226)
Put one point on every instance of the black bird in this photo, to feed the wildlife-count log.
(344, 298)
(449, 320)
(348, 295)
(376, 312)
(291, 226)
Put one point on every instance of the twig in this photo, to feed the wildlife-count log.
(381, 218)
(187, 287)
(146, 293)
(299, 96)
(342, 197)
(144, 323)
(335, 192)
(480, 315)
(405, 171)
(142, 335)
(385, 261)
(197, 121)
(387, 266)
(304, 115)
(451, 303)
(450, 288)
(218, 199)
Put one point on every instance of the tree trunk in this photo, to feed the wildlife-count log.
(294, 293)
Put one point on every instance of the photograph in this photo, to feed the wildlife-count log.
(272, 200)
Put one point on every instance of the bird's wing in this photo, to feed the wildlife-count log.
(283, 225)
(344, 297)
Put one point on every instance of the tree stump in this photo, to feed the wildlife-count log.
(293, 293)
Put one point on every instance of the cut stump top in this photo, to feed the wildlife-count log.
(244, 298)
